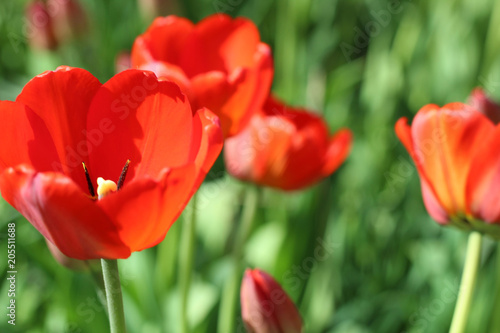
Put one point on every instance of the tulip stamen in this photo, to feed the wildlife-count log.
(89, 181)
(121, 180)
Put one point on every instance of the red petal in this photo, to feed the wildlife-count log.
(213, 90)
(163, 41)
(403, 131)
(171, 73)
(207, 142)
(337, 152)
(61, 99)
(235, 98)
(145, 208)
(483, 196)
(220, 43)
(137, 117)
(29, 140)
(444, 141)
(305, 156)
(272, 140)
(62, 213)
(431, 201)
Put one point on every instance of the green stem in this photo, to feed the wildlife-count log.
(469, 274)
(188, 240)
(113, 295)
(96, 273)
(229, 295)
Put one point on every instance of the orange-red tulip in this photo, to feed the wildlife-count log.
(65, 117)
(456, 149)
(285, 148)
(265, 306)
(220, 63)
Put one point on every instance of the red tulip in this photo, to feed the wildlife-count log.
(285, 148)
(220, 63)
(456, 151)
(265, 306)
(65, 117)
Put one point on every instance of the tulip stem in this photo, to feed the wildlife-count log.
(113, 288)
(229, 295)
(188, 245)
(466, 291)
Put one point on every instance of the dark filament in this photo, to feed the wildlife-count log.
(89, 181)
(122, 175)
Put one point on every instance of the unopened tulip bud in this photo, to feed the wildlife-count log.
(265, 307)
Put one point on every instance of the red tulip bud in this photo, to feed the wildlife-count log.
(265, 307)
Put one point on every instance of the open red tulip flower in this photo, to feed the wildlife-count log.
(102, 170)
(265, 306)
(220, 63)
(285, 148)
(456, 149)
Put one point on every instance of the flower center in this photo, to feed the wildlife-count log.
(105, 187)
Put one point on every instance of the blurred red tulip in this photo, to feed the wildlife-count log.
(220, 63)
(65, 117)
(479, 100)
(40, 27)
(285, 148)
(265, 306)
(456, 151)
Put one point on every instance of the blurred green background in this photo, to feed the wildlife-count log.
(384, 265)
